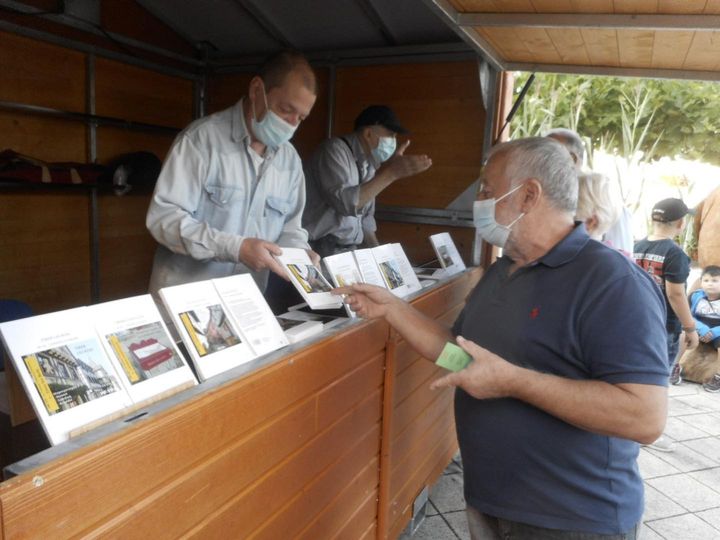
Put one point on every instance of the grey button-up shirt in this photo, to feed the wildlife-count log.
(334, 174)
(212, 193)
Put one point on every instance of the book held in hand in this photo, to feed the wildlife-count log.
(307, 279)
(447, 253)
(68, 377)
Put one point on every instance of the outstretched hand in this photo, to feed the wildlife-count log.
(368, 301)
(487, 376)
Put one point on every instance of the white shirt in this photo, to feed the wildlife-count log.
(214, 191)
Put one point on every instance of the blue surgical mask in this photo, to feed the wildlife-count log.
(484, 220)
(384, 150)
(272, 130)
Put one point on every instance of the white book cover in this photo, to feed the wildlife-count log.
(447, 253)
(251, 313)
(68, 377)
(396, 270)
(369, 269)
(135, 336)
(308, 279)
(210, 337)
(343, 271)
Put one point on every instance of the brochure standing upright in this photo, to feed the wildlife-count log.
(396, 271)
(68, 377)
(211, 339)
(135, 336)
(447, 253)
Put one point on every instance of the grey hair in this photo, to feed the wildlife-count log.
(571, 140)
(546, 160)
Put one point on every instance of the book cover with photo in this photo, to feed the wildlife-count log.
(343, 270)
(308, 279)
(251, 313)
(396, 270)
(134, 334)
(210, 337)
(69, 378)
(447, 254)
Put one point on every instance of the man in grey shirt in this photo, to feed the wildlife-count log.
(232, 190)
(345, 174)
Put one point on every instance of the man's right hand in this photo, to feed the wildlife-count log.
(368, 301)
(692, 340)
(257, 254)
(401, 166)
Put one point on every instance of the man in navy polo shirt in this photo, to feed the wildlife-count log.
(569, 370)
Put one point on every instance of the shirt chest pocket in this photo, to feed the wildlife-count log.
(222, 195)
(274, 216)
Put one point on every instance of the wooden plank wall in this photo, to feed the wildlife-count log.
(46, 245)
(440, 104)
(419, 427)
(291, 451)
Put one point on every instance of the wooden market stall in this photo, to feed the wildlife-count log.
(319, 441)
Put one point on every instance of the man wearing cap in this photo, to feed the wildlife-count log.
(345, 174)
(667, 263)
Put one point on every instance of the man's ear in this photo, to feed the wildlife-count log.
(532, 194)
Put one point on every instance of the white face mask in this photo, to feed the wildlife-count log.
(384, 150)
(272, 130)
(484, 219)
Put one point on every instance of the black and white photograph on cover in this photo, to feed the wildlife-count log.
(71, 375)
(310, 278)
(210, 329)
(445, 258)
(147, 349)
(392, 274)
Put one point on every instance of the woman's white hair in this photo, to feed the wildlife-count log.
(546, 160)
(595, 198)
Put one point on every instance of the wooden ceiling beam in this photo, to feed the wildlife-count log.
(628, 21)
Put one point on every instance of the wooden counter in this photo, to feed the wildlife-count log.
(333, 439)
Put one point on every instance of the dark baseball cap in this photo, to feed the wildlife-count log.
(380, 115)
(669, 210)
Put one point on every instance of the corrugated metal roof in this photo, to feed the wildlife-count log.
(243, 28)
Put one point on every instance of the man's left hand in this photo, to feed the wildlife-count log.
(314, 257)
(487, 376)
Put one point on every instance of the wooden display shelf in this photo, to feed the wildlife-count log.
(333, 438)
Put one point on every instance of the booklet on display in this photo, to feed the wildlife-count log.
(343, 271)
(307, 279)
(396, 271)
(297, 329)
(135, 336)
(447, 253)
(68, 377)
(214, 343)
(251, 313)
(369, 270)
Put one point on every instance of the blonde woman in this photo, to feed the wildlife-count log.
(596, 205)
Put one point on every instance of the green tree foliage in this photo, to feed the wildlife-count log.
(660, 117)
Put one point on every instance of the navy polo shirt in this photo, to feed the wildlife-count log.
(583, 311)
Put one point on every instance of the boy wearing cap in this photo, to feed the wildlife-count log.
(667, 263)
(345, 174)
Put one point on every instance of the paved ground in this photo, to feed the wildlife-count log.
(682, 488)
